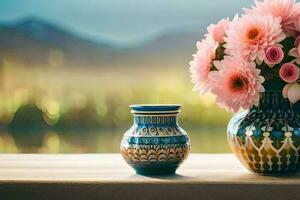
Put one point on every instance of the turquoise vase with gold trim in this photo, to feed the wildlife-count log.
(266, 139)
(155, 144)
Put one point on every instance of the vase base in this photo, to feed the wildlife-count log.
(156, 168)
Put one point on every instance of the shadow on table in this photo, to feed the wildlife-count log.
(169, 178)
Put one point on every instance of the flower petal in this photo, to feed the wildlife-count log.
(285, 90)
(294, 93)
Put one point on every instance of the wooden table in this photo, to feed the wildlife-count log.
(107, 176)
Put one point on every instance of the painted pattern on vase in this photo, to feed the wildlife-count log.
(155, 144)
(266, 139)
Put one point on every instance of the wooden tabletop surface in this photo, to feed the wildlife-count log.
(223, 174)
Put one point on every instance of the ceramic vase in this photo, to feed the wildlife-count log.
(155, 144)
(266, 139)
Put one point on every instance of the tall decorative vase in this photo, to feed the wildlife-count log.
(266, 139)
(155, 144)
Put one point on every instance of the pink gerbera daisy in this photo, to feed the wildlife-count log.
(237, 84)
(248, 36)
(287, 10)
(201, 65)
(217, 31)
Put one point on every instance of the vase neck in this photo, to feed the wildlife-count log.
(273, 100)
(158, 119)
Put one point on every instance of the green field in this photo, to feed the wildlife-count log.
(86, 110)
(101, 141)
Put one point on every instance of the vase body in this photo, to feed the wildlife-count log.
(155, 144)
(266, 139)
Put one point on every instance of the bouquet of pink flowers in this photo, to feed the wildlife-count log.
(260, 50)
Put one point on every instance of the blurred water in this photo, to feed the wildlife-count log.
(203, 140)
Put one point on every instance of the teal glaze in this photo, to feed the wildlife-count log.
(155, 144)
(153, 108)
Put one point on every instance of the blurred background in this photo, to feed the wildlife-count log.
(69, 69)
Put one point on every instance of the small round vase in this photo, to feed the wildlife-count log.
(266, 139)
(155, 144)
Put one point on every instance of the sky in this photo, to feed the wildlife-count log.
(122, 21)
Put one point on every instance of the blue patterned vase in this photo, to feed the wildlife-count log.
(155, 144)
(266, 139)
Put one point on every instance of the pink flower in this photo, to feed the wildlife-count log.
(249, 36)
(295, 52)
(217, 31)
(237, 84)
(297, 41)
(201, 65)
(289, 72)
(297, 27)
(285, 90)
(292, 92)
(273, 55)
(287, 10)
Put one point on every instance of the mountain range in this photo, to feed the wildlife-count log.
(36, 42)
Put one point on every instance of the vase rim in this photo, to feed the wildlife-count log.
(155, 107)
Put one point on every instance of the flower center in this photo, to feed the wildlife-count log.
(289, 72)
(238, 83)
(274, 53)
(253, 33)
